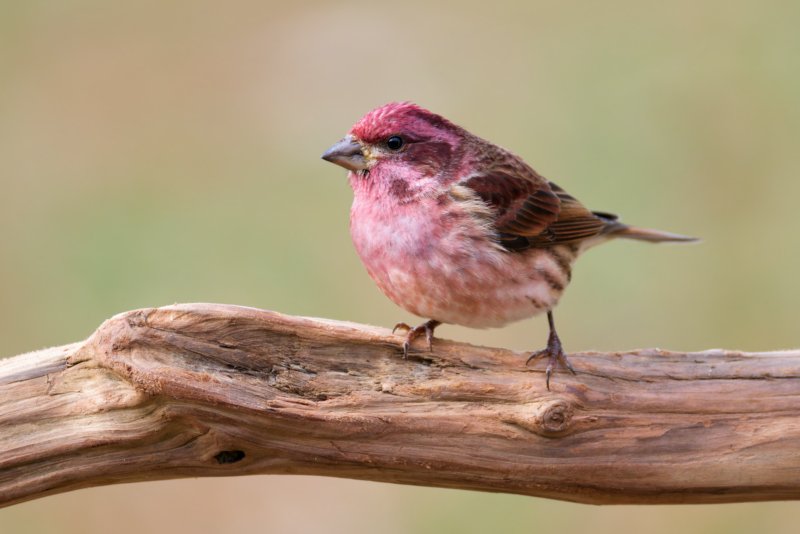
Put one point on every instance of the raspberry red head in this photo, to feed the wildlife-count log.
(404, 118)
(402, 147)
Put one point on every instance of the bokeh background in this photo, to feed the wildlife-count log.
(153, 153)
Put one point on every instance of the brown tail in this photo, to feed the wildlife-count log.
(654, 236)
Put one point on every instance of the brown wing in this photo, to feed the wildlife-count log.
(530, 211)
(575, 222)
(522, 201)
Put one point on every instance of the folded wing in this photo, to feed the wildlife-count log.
(530, 211)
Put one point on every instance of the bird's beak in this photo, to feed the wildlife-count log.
(347, 153)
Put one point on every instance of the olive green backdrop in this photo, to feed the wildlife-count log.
(153, 153)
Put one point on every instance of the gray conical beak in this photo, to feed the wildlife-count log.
(346, 153)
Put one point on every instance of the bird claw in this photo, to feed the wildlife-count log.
(426, 327)
(556, 355)
(404, 326)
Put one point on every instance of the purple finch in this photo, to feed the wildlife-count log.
(460, 231)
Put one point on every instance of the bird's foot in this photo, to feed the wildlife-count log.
(426, 328)
(555, 353)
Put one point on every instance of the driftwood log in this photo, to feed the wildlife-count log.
(211, 390)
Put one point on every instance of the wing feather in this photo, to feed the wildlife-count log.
(522, 200)
(528, 210)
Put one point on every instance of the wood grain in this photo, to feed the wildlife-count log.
(211, 390)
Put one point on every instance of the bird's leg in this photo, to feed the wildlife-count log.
(552, 351)
(426, 327)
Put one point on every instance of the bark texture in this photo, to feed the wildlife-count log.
(210, 390)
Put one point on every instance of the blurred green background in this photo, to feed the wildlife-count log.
(153, 153)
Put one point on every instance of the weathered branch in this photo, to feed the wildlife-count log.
(210, 390)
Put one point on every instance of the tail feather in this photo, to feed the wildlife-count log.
(654, 236)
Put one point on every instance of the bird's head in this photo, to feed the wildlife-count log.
(400, 146)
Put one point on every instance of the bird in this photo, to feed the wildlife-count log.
(458, 230)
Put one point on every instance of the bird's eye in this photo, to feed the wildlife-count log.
(395, 142)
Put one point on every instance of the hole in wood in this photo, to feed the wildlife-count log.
(229, 457)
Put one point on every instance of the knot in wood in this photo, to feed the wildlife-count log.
(555, 416)
(548, 418)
